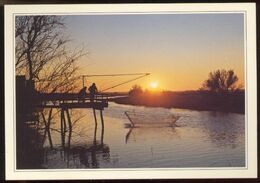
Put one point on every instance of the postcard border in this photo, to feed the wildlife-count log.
(144, 169)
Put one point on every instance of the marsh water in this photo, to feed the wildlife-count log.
(198, 139)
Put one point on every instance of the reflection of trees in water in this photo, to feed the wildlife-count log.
(89, 154)
(223, 129)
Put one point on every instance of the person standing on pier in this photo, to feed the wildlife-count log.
(82, 94)
(92, 90)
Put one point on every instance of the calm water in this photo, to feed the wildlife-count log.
(200, 139)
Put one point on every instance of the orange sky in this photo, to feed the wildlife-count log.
(178, 50)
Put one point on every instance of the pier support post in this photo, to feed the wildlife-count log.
(69, 137)
(69, 119)
(102, 123)
(95, 117)
(49, 125)
(95, 130)
(62, 121)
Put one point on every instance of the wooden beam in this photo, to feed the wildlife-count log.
(102, 123)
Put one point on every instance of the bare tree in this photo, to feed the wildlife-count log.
(221, 81)
(42, 53)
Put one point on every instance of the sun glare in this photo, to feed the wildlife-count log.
(154, 84)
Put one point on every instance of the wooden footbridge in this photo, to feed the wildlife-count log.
(70, 101)
(66, 102)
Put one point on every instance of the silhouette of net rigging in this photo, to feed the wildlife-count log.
(104, 82)
(113, 82)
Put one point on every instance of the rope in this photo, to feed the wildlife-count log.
(128, 81)
(102, 75)
(131, 74)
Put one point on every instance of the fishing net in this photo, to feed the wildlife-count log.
(150, 119)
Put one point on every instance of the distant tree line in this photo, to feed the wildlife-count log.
(135, 90)
(218, 81)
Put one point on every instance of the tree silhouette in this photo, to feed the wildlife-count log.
(135, 90)
(42, 53)
(221, 81)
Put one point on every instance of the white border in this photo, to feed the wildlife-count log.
(251, 109)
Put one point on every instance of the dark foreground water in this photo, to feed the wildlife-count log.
(200, 139)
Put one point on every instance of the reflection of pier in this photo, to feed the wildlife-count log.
(89, 155)
(65, 102)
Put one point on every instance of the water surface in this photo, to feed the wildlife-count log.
(199, 139)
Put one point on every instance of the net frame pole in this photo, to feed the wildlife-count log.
(83, 82)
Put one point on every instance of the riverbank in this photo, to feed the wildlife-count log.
(195, 100)
(29, 147)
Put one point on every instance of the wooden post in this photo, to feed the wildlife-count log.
(69, 120)
(95, 117)
(62, 119)
(95, 130)
(95, 136)
(49, 125)
(64, 126)
(102, 123)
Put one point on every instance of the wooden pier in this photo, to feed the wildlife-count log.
(99, 105)
(70, 101)
(65, 103)
(33, 107)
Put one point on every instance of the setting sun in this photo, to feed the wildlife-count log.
(154, 84)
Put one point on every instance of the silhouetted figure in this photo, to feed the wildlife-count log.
(82, 94)
(92, 90)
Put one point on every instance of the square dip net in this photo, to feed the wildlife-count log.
(138, 119)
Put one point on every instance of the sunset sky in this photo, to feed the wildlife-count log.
(179, 50)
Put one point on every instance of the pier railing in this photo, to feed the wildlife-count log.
(70, 100)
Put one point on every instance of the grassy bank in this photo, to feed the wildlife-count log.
(195, 100)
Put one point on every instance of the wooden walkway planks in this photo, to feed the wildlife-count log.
(95, 105)
(69, 101)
